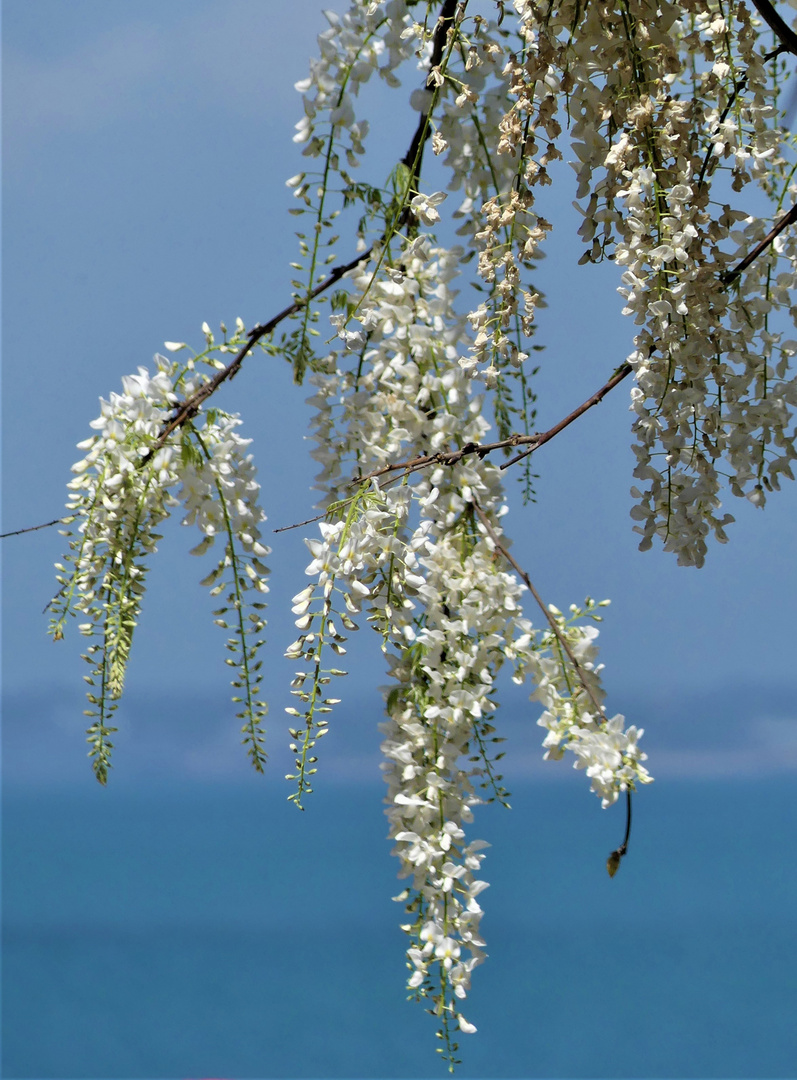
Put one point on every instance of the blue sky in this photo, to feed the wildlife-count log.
(145, 152)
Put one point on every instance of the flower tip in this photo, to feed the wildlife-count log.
(613, 863)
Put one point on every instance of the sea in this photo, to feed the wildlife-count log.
(210, 930)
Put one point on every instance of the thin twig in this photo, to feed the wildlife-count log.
(613, 862)
(534, 441)
(191, 406)
(443, 457)
(779, 28)
(413, 159)
(788, 219)
(35, 528)
(299, 524)
(595, 399)
(579, 670)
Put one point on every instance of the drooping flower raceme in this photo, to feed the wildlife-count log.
(574, 716)
(415, 557)
(674, 113)
(129, 481)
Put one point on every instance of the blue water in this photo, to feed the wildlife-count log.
(218, 932)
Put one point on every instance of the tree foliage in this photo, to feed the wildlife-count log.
(418, 348)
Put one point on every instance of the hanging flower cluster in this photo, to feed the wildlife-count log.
(646, 159)
(416, 557)
(442, 603)
(574, 715)
(674, 114)
(128, 482)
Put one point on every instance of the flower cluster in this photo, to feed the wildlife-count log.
(417, 558)
(670, 105)
(567, 683)
(461, 107)
(673, 120)
(132, 476)
(444, 608)
(357, 551)
(219, 494)
(369, 38)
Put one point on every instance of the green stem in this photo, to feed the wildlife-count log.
(252, 727)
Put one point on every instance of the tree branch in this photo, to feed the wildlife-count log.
(595, 399)
(788, 219)
(35, 528)
(483, 449)
(191, 406)
(613, 862)
(779, 28)
(413, 159)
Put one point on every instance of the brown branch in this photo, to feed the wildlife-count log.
(595, 399)
(444, 457)
(35, 528)
(613, 862)
(534, 441)
(189, 408)
(579, 670)
(413, 159)
(299, 524)
(779, 28)
(788, 219)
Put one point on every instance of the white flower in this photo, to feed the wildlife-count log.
(424, 207)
